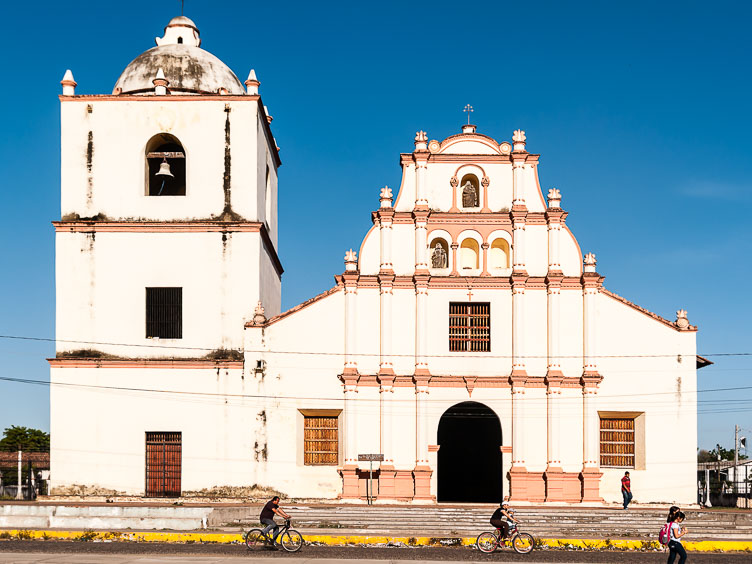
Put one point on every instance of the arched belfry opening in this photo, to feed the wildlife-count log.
(165, 166)
(469, 457)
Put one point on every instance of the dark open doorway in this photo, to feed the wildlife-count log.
(469, 456)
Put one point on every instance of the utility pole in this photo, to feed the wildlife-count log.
(19, 490)
(736, 448)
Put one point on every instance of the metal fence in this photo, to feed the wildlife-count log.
(725, 485)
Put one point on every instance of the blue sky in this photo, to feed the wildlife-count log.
(641, 113)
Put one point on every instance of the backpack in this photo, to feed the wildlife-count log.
(664, 536)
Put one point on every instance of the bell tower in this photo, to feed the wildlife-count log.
(167, 239)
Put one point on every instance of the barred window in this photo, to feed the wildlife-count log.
(164, 313)
(321, 440)
(470, 327)
(618, 442)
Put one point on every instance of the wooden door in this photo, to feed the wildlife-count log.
(163, 464)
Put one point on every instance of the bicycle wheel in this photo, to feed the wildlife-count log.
(255, 538)
(292, 540)
(523, 543)
(487, 542)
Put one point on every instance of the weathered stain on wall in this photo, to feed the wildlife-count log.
(89, 167)
(226, 175)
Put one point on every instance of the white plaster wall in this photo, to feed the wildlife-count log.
(501, 187)
(403, 249)
(535, 344)
(661, 387)
(571, 331)
(116, 185)
(570, 429)
(101, 296)
(442, 361)
(536, 250)
(98, 435)
(404, 198)
(569, 253)
(403, 333)
(369, 256)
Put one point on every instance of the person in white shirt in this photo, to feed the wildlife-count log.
(674, 544)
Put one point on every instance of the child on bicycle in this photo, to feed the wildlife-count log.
(502, 518)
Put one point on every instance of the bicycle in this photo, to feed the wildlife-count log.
(522, 543)
(290, 539)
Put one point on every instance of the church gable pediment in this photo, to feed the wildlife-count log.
(469, 144)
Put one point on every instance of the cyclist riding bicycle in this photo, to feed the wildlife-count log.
(267, 517)
(502, 517)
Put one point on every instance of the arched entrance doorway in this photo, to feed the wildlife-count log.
(469, 457)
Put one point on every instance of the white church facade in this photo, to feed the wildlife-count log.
(467, 340)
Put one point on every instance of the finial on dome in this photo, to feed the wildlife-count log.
(160, 83)
(554, 198)
(252, 83)
(589, 262)
(69, 85)
(385, 197)
(351, 261)
(681, 319)
(259, 314)
(180, 31)
(519, 140)
(421, 141)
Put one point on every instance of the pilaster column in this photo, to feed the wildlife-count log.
(386, 287)
(422, 472)
(519, 156)
(590, 474)
(387, 472)
(485, 247)
(420, 156)
(386, 218)
(454, 246)
(518, 324)
(518, 472)
(350, 377)
(350, 278)
(420, 217)
(554, 217)
(590, 287)
(421, 321)
(518, 238)
(553, 283)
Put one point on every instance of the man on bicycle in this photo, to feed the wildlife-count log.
(502, 517)
(267, 517)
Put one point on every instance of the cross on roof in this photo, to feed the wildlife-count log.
(468, 109)
(182, 5)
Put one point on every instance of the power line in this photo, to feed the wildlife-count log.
(362, 354)
(307, 398)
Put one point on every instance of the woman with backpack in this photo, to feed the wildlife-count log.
(676, 533)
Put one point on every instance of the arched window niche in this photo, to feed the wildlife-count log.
(470, 191)
(438, 254)
(499, 255)
(469, 255)
(165, 166)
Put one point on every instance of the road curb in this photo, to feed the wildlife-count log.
(343, 540)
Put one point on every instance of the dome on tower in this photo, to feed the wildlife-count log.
(187, 68)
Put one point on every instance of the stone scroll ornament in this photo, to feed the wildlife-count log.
(439, 257)
(469, 195)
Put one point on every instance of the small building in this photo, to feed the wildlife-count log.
(467, 340)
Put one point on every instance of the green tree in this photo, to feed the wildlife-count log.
(23, 438)
(712, 455)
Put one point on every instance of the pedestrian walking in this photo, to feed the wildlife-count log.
(626, 489)
(674, 544)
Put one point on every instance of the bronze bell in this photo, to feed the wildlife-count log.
(164, 169)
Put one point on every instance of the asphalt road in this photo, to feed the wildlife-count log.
(77, 552)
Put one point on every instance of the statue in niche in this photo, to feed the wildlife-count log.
(469, 195)
(439, 257)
